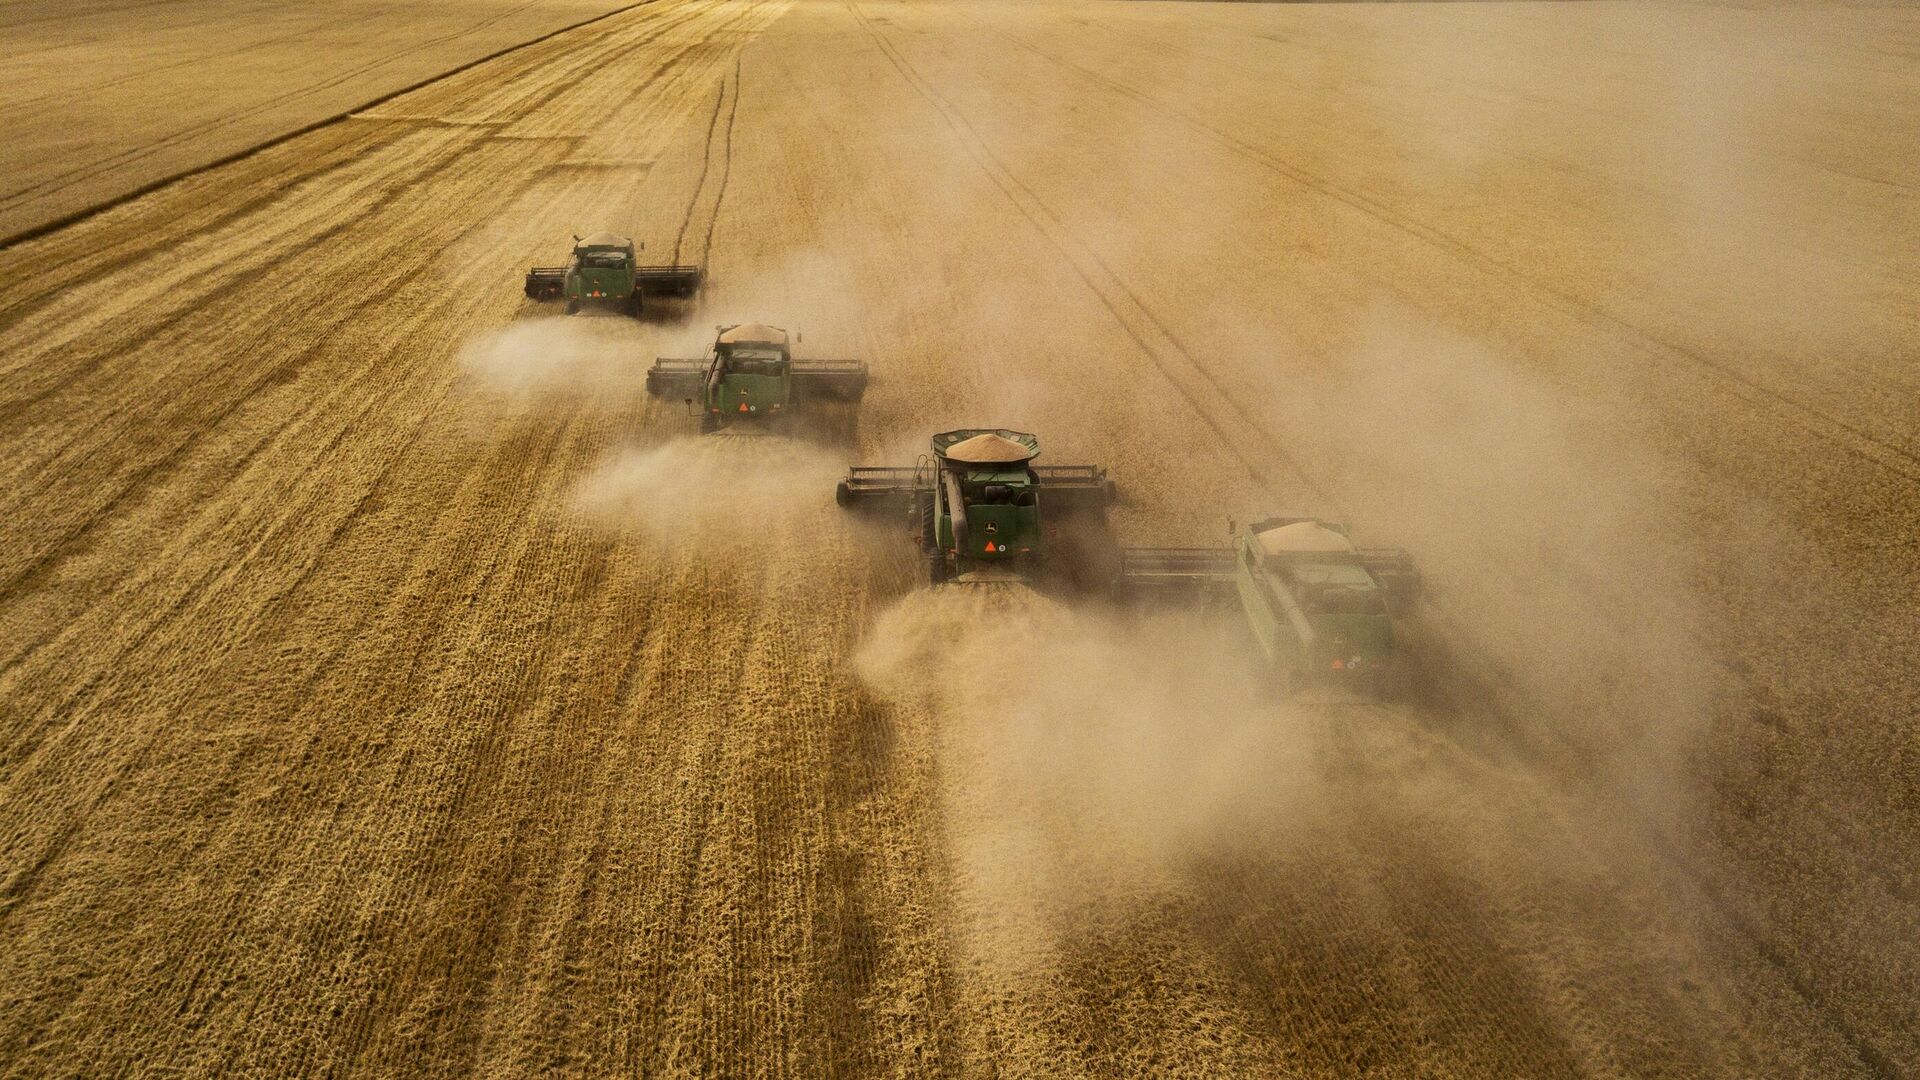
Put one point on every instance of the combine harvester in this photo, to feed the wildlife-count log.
(975, 504)
(750, 375)
(604, 270)
(1321, 609)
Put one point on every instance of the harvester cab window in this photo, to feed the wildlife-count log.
(1000, 489)
(755, 361)
(603, 260)
(1335, 588)
(1342, 600)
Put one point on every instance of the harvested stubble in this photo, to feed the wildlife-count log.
(360, 714)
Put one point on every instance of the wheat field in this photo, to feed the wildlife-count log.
(388, 686)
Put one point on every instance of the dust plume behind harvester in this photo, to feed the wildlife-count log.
(979, 508)
(750, 375)
(605, 270)
(1321, 609)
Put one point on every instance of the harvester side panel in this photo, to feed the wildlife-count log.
(546, 282)
(677, 378)
(835, 380)
(673, 280)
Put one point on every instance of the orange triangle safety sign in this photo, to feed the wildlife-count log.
(743, 406)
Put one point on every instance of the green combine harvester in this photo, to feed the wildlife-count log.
(605, 271)
(1321, 609)
(976, 503)
(750, 375)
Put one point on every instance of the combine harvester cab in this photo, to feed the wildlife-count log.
(605, 270)
(1321, 609)
(750, 374)
(976, 503)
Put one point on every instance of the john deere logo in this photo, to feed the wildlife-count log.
(991, 527)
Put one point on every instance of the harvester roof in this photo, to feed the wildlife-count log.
(605, 239)
(758, 333)
(986, 447)
(1303, 537)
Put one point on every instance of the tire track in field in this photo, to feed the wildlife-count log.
(63, 180)
(157, 468)
(719, 138)
(726, 169)
(254, 46)
(187, 289)
(1842, 434)
(706, 165)
(62, 221)
(577, 94)
(69, 14)
(1239, 429)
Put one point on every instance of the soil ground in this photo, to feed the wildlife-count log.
(387, 685)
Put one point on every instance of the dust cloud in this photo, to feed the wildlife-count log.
(562, 359)
(1556, 562)
(717, 493)
(1085, 756)
(1103, 772)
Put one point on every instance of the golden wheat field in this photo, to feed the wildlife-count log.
(390, 687)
